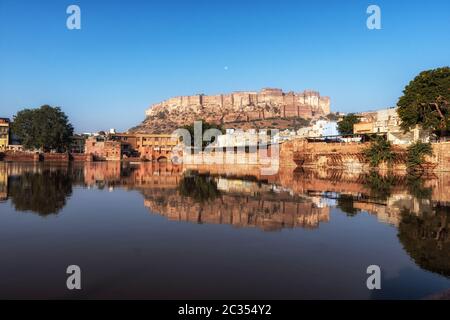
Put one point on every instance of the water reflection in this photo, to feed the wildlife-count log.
(201, 188)
(426, 238)
(417, 206)
(38, 189)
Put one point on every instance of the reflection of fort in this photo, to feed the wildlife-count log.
(238, 196)
(244, 198)
(240, 211)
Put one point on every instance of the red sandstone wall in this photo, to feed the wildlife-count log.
(350, 155)
(103, 150)
(81, 157)
(20, 156)
(56, 157)
(441, 156)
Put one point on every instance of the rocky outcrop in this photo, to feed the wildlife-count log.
(234, 109)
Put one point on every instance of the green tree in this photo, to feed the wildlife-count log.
(45, 128)
(345, 126)
(425, 101)
(205, 127)
(380, 150)
(416, 154)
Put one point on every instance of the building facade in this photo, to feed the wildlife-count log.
(319, 129)
(387, 122)
(4, 133)
(145, 146)
(102, 149)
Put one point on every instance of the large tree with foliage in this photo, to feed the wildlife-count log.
(204, 127)
(345, 126)
(425, 101)
(45, 128)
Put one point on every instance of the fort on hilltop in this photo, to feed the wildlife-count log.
(237, 107)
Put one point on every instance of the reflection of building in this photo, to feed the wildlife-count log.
(240, 197)
(3, 184)
(4, 133)
(239, 211)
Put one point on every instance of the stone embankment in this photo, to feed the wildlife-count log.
(22, 156)
(350, 156)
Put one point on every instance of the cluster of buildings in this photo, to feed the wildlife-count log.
(117, 146)
(140, 146)
(105, 146)
(382, 122)
(387, 122)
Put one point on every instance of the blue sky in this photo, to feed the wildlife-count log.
(130, 54)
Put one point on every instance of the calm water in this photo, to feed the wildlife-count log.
(160, 231)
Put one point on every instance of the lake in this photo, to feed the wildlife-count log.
(159, 231)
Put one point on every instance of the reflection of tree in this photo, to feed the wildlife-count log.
(44, 192)
(426, 238)
(416, 187)
(346, 204)
(199, 187)
(380, 186)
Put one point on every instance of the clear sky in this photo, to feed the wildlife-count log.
(130, 54)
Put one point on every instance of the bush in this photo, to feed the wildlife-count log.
(380, 150)
(416, 154)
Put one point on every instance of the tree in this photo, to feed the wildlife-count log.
(45, 128)
(345, 126)
(380, 150)
(416, 153)
(205, 127)
(425, 101)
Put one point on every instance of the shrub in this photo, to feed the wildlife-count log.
(416, 154)
(380, 150)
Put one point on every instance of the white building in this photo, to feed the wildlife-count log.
(321, 128)
(239, 138)
(388, 122)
